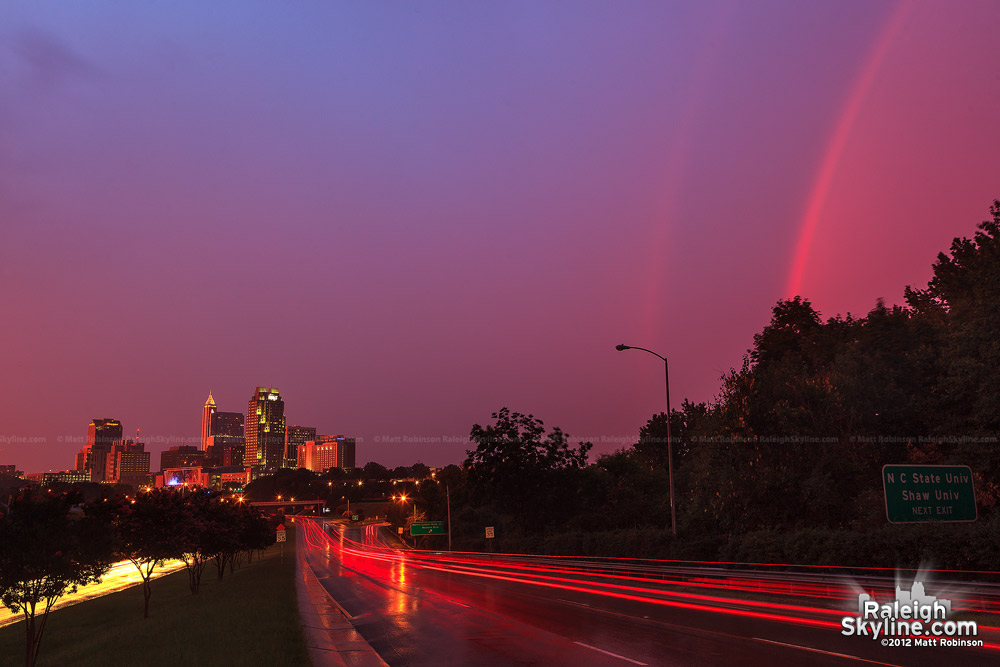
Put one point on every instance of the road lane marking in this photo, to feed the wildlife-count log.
(578, 604)
(816, 650)
(613, 655)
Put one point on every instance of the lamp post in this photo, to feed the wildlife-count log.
(670, 449)
(402, 503)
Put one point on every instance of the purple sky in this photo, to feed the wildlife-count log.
(407, 215)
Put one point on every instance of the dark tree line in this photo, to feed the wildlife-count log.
(794, 441)
(818, 407)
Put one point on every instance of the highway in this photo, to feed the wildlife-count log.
(433, 608)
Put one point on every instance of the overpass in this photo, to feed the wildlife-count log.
(318, 504)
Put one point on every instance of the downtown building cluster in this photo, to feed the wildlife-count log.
(233, 450)
(109, 458)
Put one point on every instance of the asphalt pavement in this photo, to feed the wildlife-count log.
(424, 609)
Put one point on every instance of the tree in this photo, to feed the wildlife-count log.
(198, 527)
(963, 296)
(518, 465)
(652, 445)
(375, 472)
(48, 547)
(961, 302)
(298, 483)
(224, 542)
(149, 534)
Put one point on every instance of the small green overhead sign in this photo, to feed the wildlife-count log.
(427, 528)
(928, 493)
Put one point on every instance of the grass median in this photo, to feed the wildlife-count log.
(249, 618)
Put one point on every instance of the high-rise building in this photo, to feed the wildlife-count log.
(207, 412)
(265, 429)
(225, 437)
(318, 456)
(221, 434)
(347, 455)
(128, 463)
(295, 438)
(227, 425)
(229, 451)
(328, 451)
(101, 435)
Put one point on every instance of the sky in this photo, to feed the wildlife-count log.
(406, 216)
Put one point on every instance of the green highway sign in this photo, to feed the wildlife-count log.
(928, 493)
(427, 528)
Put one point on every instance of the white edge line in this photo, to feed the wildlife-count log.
(817, 650)
(613, 655)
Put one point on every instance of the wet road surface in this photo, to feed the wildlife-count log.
(417, 608)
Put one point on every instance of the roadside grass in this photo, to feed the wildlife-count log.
(250, 618)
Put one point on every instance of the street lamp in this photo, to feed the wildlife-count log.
(670, 449)
(402, 501)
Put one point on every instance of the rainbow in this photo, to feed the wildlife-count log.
(835, 146)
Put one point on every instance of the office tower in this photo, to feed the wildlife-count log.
(225, 436)
(207, 412)
(228, 451)
(345, 449)
(265, 429)
(128, 463)
(221, 432)
(101, 435)
(295, 438)
(346, 453)
(227, 425)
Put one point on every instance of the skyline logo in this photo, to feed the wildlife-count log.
(913, 618)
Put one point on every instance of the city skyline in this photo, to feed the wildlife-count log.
(107, 433)
(439, 211)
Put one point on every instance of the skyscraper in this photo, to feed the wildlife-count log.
(207, 411)
(222, 434)
(265, 429)
(101, 435)
(295, 438)
(226, 425)
(128, 463)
